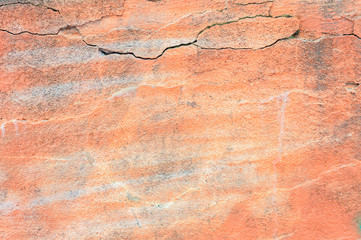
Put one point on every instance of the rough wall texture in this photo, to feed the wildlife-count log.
(177, 119)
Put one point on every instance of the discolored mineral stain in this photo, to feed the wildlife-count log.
(316, 60)
(358, 224)
(132, 198)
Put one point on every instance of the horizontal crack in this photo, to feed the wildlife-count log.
(29, 3)
(244, 4)
(352, 34)
(40, 34)
(253, 3)
(229, 22)
(270, 45)
(58, 11)
(109, 52)
(31, 33)
(294, 35)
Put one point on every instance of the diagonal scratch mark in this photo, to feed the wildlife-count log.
(136, 219)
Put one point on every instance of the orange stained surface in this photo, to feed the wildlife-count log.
(160, 119)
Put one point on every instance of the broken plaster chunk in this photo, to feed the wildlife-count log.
(249, 33)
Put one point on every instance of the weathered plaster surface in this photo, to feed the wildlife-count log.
(160, 119)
